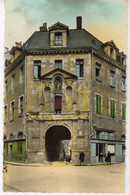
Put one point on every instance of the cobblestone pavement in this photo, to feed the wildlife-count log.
(50, 179)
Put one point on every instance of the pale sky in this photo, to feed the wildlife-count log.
(105, 19)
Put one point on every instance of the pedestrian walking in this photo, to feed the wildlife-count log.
(81, 158)
(108, 157)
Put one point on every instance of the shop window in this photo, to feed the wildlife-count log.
(123, 84)
(20, 106)
(123, 111)
(5, 114)
(13, 82)
(6, 87)
(58, 64)
(58, 104)
(98, 72)
(37, 69)
(80, 67)
(112, 108)
(58, 39)
(12, 104)
(19, 148)
(98, 104)
(21, 79)
(112, 79)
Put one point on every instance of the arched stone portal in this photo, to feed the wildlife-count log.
(58, 143)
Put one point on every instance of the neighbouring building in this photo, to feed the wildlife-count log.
(65, 92)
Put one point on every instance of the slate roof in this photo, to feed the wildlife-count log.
(77, 38)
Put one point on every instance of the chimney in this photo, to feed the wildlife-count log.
(44, 27)
(79, 22)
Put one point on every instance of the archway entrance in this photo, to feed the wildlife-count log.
(58, 143)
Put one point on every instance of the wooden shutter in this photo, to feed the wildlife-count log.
(123, 111)
(98, 104)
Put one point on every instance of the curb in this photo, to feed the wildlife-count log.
(54, 164)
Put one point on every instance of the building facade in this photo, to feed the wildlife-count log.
(65, 93)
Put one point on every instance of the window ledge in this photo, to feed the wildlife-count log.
(20, 115)
(112, 86)
(80, 78)
(36, 79)
(99, 80)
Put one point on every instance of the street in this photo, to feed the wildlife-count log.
(65, 179)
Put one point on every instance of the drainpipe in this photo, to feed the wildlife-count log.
(91, 104)
(25, 100)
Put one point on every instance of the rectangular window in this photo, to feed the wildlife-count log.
(6, 87)
(123, 111)
(123, 84)
(37, 69)
(13, 81)
(105, 135)
(19, 148)
(58, 39)
(112, 79)
(112, 108)
(21, 75)
(12, 111)
(98, 72)
(21, 106)
(98, 104)
(58, 64)
(5, 114)
(80, 68)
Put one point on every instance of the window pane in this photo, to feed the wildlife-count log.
(58, 64)
(123, 84)
(80, 68)
(112, 78)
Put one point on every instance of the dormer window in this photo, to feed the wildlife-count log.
(58, 39)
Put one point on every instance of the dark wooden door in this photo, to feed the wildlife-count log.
(58, 104)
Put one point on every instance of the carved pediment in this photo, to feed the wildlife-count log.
(59, 26)
(58, 71)
(111, 43)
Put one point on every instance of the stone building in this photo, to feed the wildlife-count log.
(65, 92)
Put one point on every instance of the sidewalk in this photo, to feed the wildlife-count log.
(54, 164)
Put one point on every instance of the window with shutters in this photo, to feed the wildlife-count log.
(12, 104)
(37, 69)
(21, 76)
(123, 83)
(80, 67)
(20, 106)
(13, 82)
(112, 78)
(98, 104)
(5, 114)
(6, 87)
(98, 72)
(58, 104)
(123, 111)
(112, 108)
